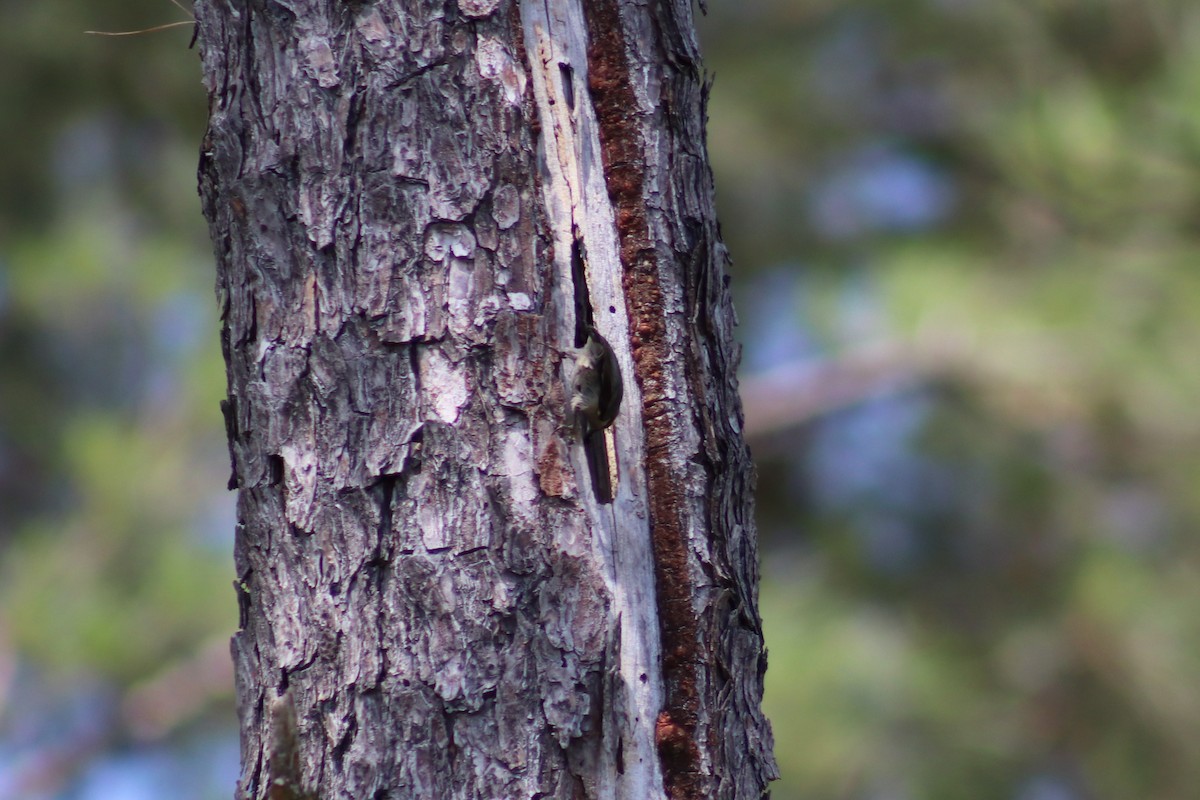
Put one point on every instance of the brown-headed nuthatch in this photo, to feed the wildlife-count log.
(597, 388)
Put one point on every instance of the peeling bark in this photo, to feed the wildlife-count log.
(433, 602)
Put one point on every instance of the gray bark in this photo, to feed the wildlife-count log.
(433, 601)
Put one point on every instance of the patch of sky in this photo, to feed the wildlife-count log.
(879, 189)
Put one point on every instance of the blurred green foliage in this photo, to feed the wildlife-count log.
(984, 586)
(115, 528)
(1008, 606)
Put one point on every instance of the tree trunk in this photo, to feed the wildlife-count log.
(416, 207)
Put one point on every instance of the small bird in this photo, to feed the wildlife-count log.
(596, 399)
(598, 388)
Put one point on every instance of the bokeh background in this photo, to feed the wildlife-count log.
(966, 241)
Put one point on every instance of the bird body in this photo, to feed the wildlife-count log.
(597, 387)
(595, 400)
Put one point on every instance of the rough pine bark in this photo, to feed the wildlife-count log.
(414, 206)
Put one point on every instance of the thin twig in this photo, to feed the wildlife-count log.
(795, 393)
(144, 30)
(183, 8)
